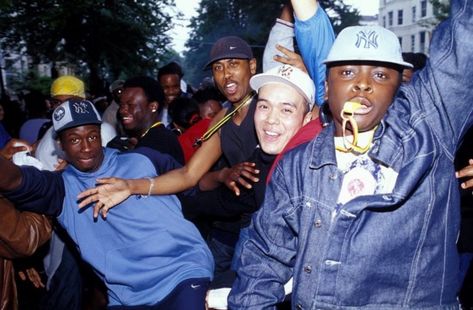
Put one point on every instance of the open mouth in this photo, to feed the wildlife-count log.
(231, 88)
(366, 106)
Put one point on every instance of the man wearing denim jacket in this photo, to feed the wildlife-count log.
(367, 214)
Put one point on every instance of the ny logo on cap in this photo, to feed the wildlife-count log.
(367, 38)
(80, 107)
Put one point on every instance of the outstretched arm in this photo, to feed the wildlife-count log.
(112, 191)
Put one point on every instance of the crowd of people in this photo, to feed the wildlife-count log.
(338, 178)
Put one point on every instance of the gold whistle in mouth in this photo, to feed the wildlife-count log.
(347, 115)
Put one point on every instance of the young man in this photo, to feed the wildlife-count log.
(140, 104)
(146, 253)
(366, 215)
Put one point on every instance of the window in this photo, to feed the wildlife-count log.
(413, 43)
(400, 41)
(422, 42)
(413, 14)
(390, 18)
(384, 21)
(399, 17)
(423, 8)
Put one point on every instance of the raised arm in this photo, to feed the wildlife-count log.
(304, 9)
(441, 92)
(315, 36)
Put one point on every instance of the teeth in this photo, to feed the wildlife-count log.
(270, 133)
(230, 85)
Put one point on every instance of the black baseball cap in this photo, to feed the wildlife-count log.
(229, 47)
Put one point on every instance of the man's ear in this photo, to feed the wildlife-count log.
(253, 65)
(58, 142)
(153, 106)
(326, 91)
(307, 118)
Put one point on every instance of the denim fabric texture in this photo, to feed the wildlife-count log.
(387, 251)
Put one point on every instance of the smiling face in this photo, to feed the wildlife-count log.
(232, 77)
(371, 84)
(136, 113)
(83, 147)
(280, 112)
(171, 84)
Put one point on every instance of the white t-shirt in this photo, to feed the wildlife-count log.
(362, 176)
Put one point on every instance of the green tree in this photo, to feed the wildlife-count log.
(102, 38)
(250, 20)
(441, 9)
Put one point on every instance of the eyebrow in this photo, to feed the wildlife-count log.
(291, 104)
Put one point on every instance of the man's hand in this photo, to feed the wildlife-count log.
(241, 175)
(108, 193)
(290, 58)
(32, 275)
(466, 172)
(14, 146)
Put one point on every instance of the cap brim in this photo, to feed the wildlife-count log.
(77, 124)
(399, 63)
(227, 56)
(258, 81)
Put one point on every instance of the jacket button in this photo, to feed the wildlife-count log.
(333, 177)
(308, 268)
(318, 223)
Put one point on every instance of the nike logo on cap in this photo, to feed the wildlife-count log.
(194, 286)
(232, 47)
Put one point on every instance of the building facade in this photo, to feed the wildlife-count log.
(411, 20)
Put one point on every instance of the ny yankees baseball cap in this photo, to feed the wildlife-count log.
(366, 43)
(229, 47)
(74, 113)
(289, 75)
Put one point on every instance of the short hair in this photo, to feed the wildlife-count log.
(208, 93)
(184, 111)
(418, 60)
(152, 89)
(171, 68)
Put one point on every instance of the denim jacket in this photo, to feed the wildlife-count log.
(387, 251)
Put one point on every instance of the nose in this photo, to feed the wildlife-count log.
(85, 145)
(227, 72)
(363, 84)
(122, 109)
(272, 117)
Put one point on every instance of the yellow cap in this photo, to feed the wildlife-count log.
(68, 85)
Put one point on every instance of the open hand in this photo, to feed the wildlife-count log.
(290, 58)
(242, 174)
(108, 193)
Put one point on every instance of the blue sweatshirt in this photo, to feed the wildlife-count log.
(144, 248)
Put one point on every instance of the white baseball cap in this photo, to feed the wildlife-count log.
(289, 75)
(367, 43)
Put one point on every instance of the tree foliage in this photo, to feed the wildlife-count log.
(250, 20)
(441, 9)
(104, 38)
